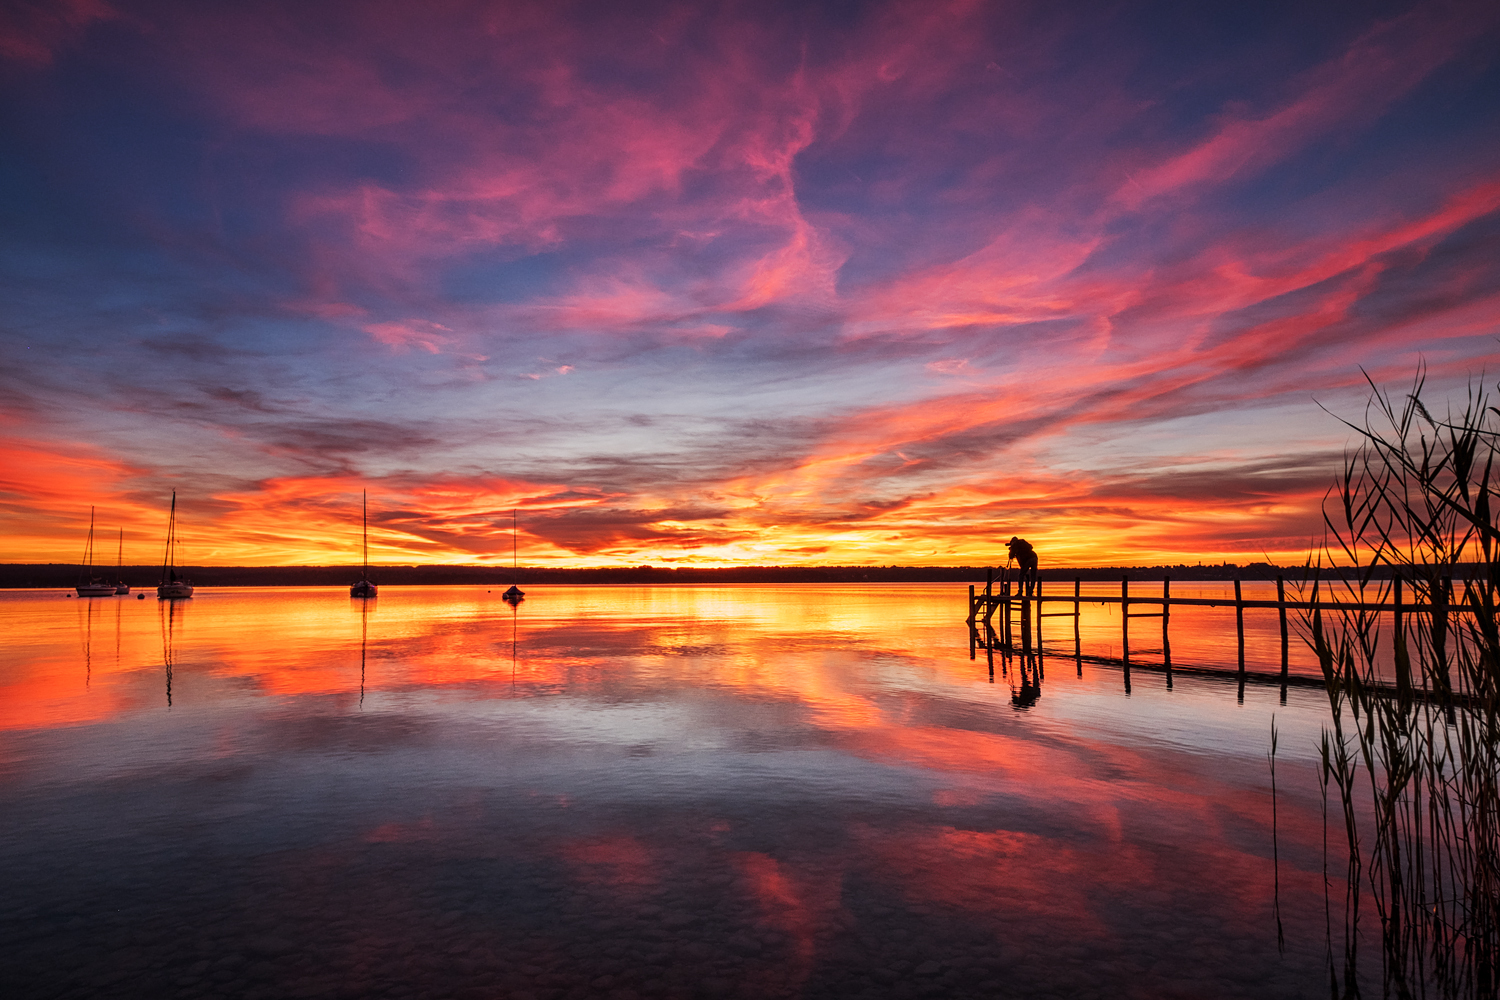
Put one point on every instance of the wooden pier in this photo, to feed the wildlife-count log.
(1019, 629)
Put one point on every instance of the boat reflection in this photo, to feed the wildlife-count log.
(364, 639)
(168, 614)
(86, 636)
(515, 611)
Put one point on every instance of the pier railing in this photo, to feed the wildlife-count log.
(1021, 611)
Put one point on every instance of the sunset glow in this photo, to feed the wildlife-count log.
(726, 284)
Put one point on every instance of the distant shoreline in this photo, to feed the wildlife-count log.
(65, 575)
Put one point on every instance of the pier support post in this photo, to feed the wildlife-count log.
(1398, 641)
(1037, 592)
(1025, 622)
(1166, 618)
(1239, 627)
(1281, 612)
(1077, 639)
(1441, 597)
(1004, 605)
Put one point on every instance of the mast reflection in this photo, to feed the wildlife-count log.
(167, 613)
(118, 606)
(86, 636)
(515, 608)
(364, 634)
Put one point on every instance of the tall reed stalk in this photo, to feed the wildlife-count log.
(1411, 751)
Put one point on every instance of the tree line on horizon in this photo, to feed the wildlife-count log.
(49, 575)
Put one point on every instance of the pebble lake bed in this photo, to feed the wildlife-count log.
(728, 791)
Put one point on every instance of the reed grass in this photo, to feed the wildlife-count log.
(1409, 755)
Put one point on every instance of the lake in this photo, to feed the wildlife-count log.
(730, 791)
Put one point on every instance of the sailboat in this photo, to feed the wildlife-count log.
(170, 586)
(515, 595)
(364, 588)
(94, 587)
(121, 587)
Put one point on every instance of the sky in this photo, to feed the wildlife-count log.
(715, 284)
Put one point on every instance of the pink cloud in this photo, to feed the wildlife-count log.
(431, 337)
(914, 220)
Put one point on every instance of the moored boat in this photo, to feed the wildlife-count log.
(515, 595)
(364, 588)
(171, 586)
(121, 587)
(95, 589)
(92, 586)
(173, 589)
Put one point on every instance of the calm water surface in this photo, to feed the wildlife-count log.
(734, 791)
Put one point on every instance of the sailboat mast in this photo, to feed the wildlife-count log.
(120, 552)
(166, 557)
(88, 550)
(365, 506)
(514, 595)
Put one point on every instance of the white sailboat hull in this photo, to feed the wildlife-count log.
(175, 589)
(95, 590)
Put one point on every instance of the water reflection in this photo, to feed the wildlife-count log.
(364, 639)
(515, 610)
(86, 637)
(168, 613)
(1023, 669)
(1030, 675)
(678, 792)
